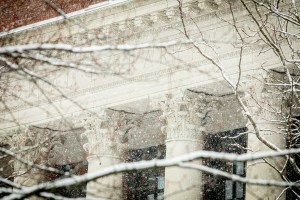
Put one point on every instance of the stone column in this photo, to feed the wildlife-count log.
(31, 148)
(265, 105)
(184, 117)
(105, 147)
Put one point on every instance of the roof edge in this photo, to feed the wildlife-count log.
(89, 9)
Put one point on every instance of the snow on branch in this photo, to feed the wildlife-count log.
(87, 49)
(177, 161)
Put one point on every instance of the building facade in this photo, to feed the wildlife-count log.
(142, 80)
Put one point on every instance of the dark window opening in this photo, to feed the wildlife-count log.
(6, 170)
(219, 188)
(73, 191)
(145, 184)
(293, 141)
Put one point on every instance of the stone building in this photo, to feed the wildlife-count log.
(156, 97)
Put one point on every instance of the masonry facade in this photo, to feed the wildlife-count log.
(148, 103)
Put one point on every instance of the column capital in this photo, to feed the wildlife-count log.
(33, 144)
(184, 115)
(106, 133)
(264, 97)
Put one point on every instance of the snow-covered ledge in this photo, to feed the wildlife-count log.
(78, 13)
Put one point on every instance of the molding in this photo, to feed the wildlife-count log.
(168, 19)
(170, 15)
(137, 78)
(115, 29)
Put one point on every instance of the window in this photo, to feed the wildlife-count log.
(6, 170)
(293, 141)
(145, 184)
(75, 190)
(219, 188)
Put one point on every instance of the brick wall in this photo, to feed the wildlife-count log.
(16, 13)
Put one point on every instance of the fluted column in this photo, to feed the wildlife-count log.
(184, 117)
(106, 144)
(265, 106)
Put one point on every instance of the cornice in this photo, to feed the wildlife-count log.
(119, 28)
(158, 21)
(141, 77)
(164, 19)
(50, 21)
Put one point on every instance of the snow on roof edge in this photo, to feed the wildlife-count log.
(90, 8)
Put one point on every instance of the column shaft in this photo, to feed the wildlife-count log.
(106, 142)
(264, 104)
(185, 117)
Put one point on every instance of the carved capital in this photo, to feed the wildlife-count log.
(185, 115)
(158, 17)
(191, 8)
(142, 21)
(173, 12)
(31, 145)
(219, 2)
(264, 101)
(106, 134)
(111, 29)
(205, 5)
